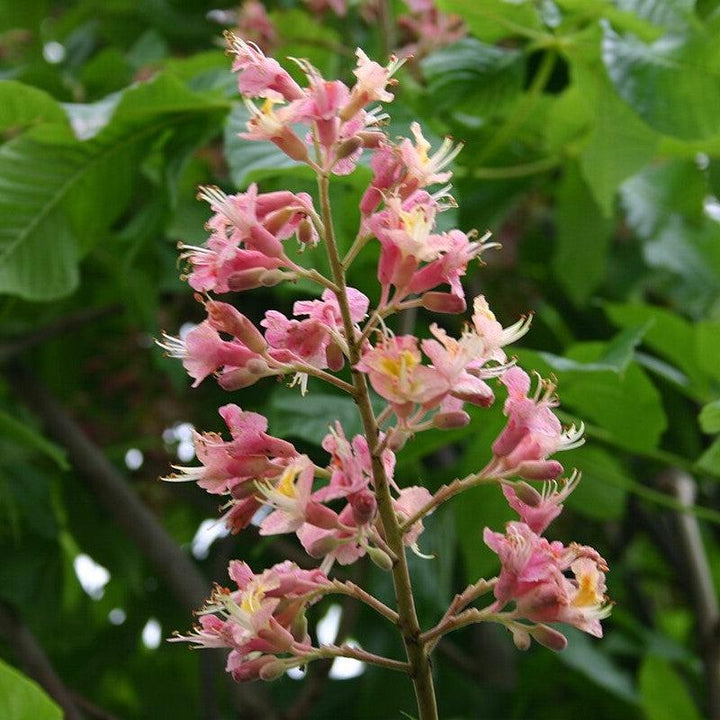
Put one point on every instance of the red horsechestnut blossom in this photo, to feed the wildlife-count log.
(351, 501)
(532, 576)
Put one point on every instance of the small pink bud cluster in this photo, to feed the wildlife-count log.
(352, 506)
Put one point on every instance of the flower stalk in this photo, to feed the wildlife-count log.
(354, 506)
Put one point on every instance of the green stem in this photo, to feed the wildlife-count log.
(418, 659)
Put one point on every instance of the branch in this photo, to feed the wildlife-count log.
(702, 591)
(11, 348)
(35, 662)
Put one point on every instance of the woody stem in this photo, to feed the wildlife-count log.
(415, 650)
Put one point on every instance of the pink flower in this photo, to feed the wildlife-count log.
(372, 79)
(288, 496)
(266, 123)
(260, 76)
(456, 250)
(396, 373)
(259, 620)
(538, 512)
(318, 340)
(305, 340)
(532, 575)
(327, 309)
(532, 432)
(459, 362)
(344, 544)
(387, 170)
(251, 453)
(424, 169)
(204, 352)
(350, 464)
(321, 106)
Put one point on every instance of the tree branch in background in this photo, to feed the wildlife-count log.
(700, 584)
(35, 662)
(118, 499)
(12, 347)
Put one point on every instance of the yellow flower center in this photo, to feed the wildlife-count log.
(252, 598)
(286, 486)
(398, 367)
(587, 594)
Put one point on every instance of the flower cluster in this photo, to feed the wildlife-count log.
(351, 504)
(263, 621)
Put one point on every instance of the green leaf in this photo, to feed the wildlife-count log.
(59, 196)
(659, 12)
(13, 429)
(707, 347)
(473, 76)
(626, 404)
(309, 418)
(667, 333)
(582, 655)
(709, 461)
(583, 238)
(672, 83)
(22, 105)
(619, 144)
(663, 694)
(491, 20)
(308, 37)
(602, 492)
(710, 417)
(23, 699)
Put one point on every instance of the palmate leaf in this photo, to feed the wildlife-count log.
(672, 83)
(59, 195)
(474, 76)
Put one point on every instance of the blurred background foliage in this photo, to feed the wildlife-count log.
(592, 151)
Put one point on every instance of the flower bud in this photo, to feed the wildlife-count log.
(549, 637)
(275, 221)
(521, 637)
(246, 279)
(225, 318)
(348, 147)
(526, 493)
(397, 439)
(371, 138)
(273, 670)
(450, 420)
(257, 366)
(334, 357)
(539, 469)
(291, 145)
(322, 546)
(320, 516)
(380, 558)
(237, 379)
(364, 506)
(443, 302)
(269, 278)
